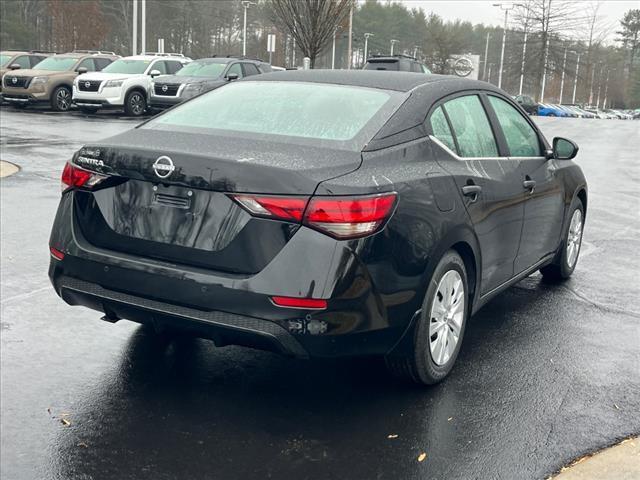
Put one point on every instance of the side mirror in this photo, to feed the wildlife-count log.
(14, 66)
(155, 73)
(232, 76)
(82, 70)
(564, 149)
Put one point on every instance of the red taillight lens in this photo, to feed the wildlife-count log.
(341, 217)
(302, 303)
(55, 253)
(281, 208)
(349, 217)
(73, 176)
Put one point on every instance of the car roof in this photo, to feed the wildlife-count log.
(155, 57)
(385, 80)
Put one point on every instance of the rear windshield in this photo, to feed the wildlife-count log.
(306, 110)
(382, 65)
(57, 64)
(4, 59)
(127, 66)
(202, 69)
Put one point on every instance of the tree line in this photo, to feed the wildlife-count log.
(558, 34)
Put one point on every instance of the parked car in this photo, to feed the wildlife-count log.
(315, 213)
(124, 85)
(52, 79)
(548, 110)
(583, 113)
(396, 63)
(201, 76)
(528, 104)
(17, 59)
(568, 110)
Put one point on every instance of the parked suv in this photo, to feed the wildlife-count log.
(17, 59)
(397, 63)
(201, 76)
(125, 83)
(52, 80)
(528, 104)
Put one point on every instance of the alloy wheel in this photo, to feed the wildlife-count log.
(574, 237)
(137, 104)
(447, 315)
(63, 99)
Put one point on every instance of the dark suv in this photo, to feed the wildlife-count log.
(201, 76)
(321, 213)
(396, 63)
(527, 103)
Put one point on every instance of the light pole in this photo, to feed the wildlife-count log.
(575, 80)
(544, 71)
(333, 49)
(134, 43)
(143, 31)
(524, 52)
(245, 4)
(350, 46)
(415, 51)
(393, 42)
(599, 87)
(366, 44)
(564, 66)
(486, 52)
(506, 7)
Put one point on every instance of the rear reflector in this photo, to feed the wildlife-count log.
(55, 253)
(74, 176)
(342, 217)
(302, 303)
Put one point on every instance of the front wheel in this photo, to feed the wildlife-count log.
(567, 257)
(135, 104)
(440, 328)
(61, 99)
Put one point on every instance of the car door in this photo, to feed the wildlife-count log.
(473, 152)
(544, 207)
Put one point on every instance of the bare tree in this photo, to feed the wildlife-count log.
(310, 22)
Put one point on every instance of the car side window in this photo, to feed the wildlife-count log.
(101, 63)
(34, 60)
(471, 127)
(88, 64)
(441, 130)
(160, 66)
(173, 66)
(522, 139)
(235, 68)
(23, 61)
(250, 69)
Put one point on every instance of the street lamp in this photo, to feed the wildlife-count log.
(415, 51)
(486, 52)
(564, 66)
(606, 88)
(366, 44)
(246, 4)
(506, 7)
(393, 42)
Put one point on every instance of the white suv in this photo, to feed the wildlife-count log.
(124, 84)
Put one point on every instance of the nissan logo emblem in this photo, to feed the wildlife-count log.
(163, 166)
(463, 67)
(164, 88)
(87, 84)
(14, 80)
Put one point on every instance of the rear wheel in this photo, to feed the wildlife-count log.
(567, 257)
(135, 104)
(61, 99)
(438, 334)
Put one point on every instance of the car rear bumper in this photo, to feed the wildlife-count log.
(158, 101)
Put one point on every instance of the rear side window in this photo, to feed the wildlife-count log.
(415, 67)
(265, 68)
(521, 138)
(250, 69)
(471, 127)
(441, 130)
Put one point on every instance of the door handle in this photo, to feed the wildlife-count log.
(529, 185)
(471, 191)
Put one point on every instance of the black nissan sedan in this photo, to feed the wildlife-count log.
(320, 214)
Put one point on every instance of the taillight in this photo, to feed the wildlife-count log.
(281, 208)
(55, 253)
(74, 176)
(342, 217)
(349, 217)
(303, 303)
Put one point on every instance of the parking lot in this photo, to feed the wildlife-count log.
(546, 374)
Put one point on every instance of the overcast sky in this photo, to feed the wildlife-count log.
(481, 11)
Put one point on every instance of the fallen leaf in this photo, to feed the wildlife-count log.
(617, 407)
(83, 445)
(65, 422)
(449, 419)
(422, 456)
(392, 435)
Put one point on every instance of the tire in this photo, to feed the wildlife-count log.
(567, 257)
(88, 110)
(135, 104)
(429, 363)
(61, 99)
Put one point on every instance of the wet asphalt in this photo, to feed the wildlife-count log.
(546, 373)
